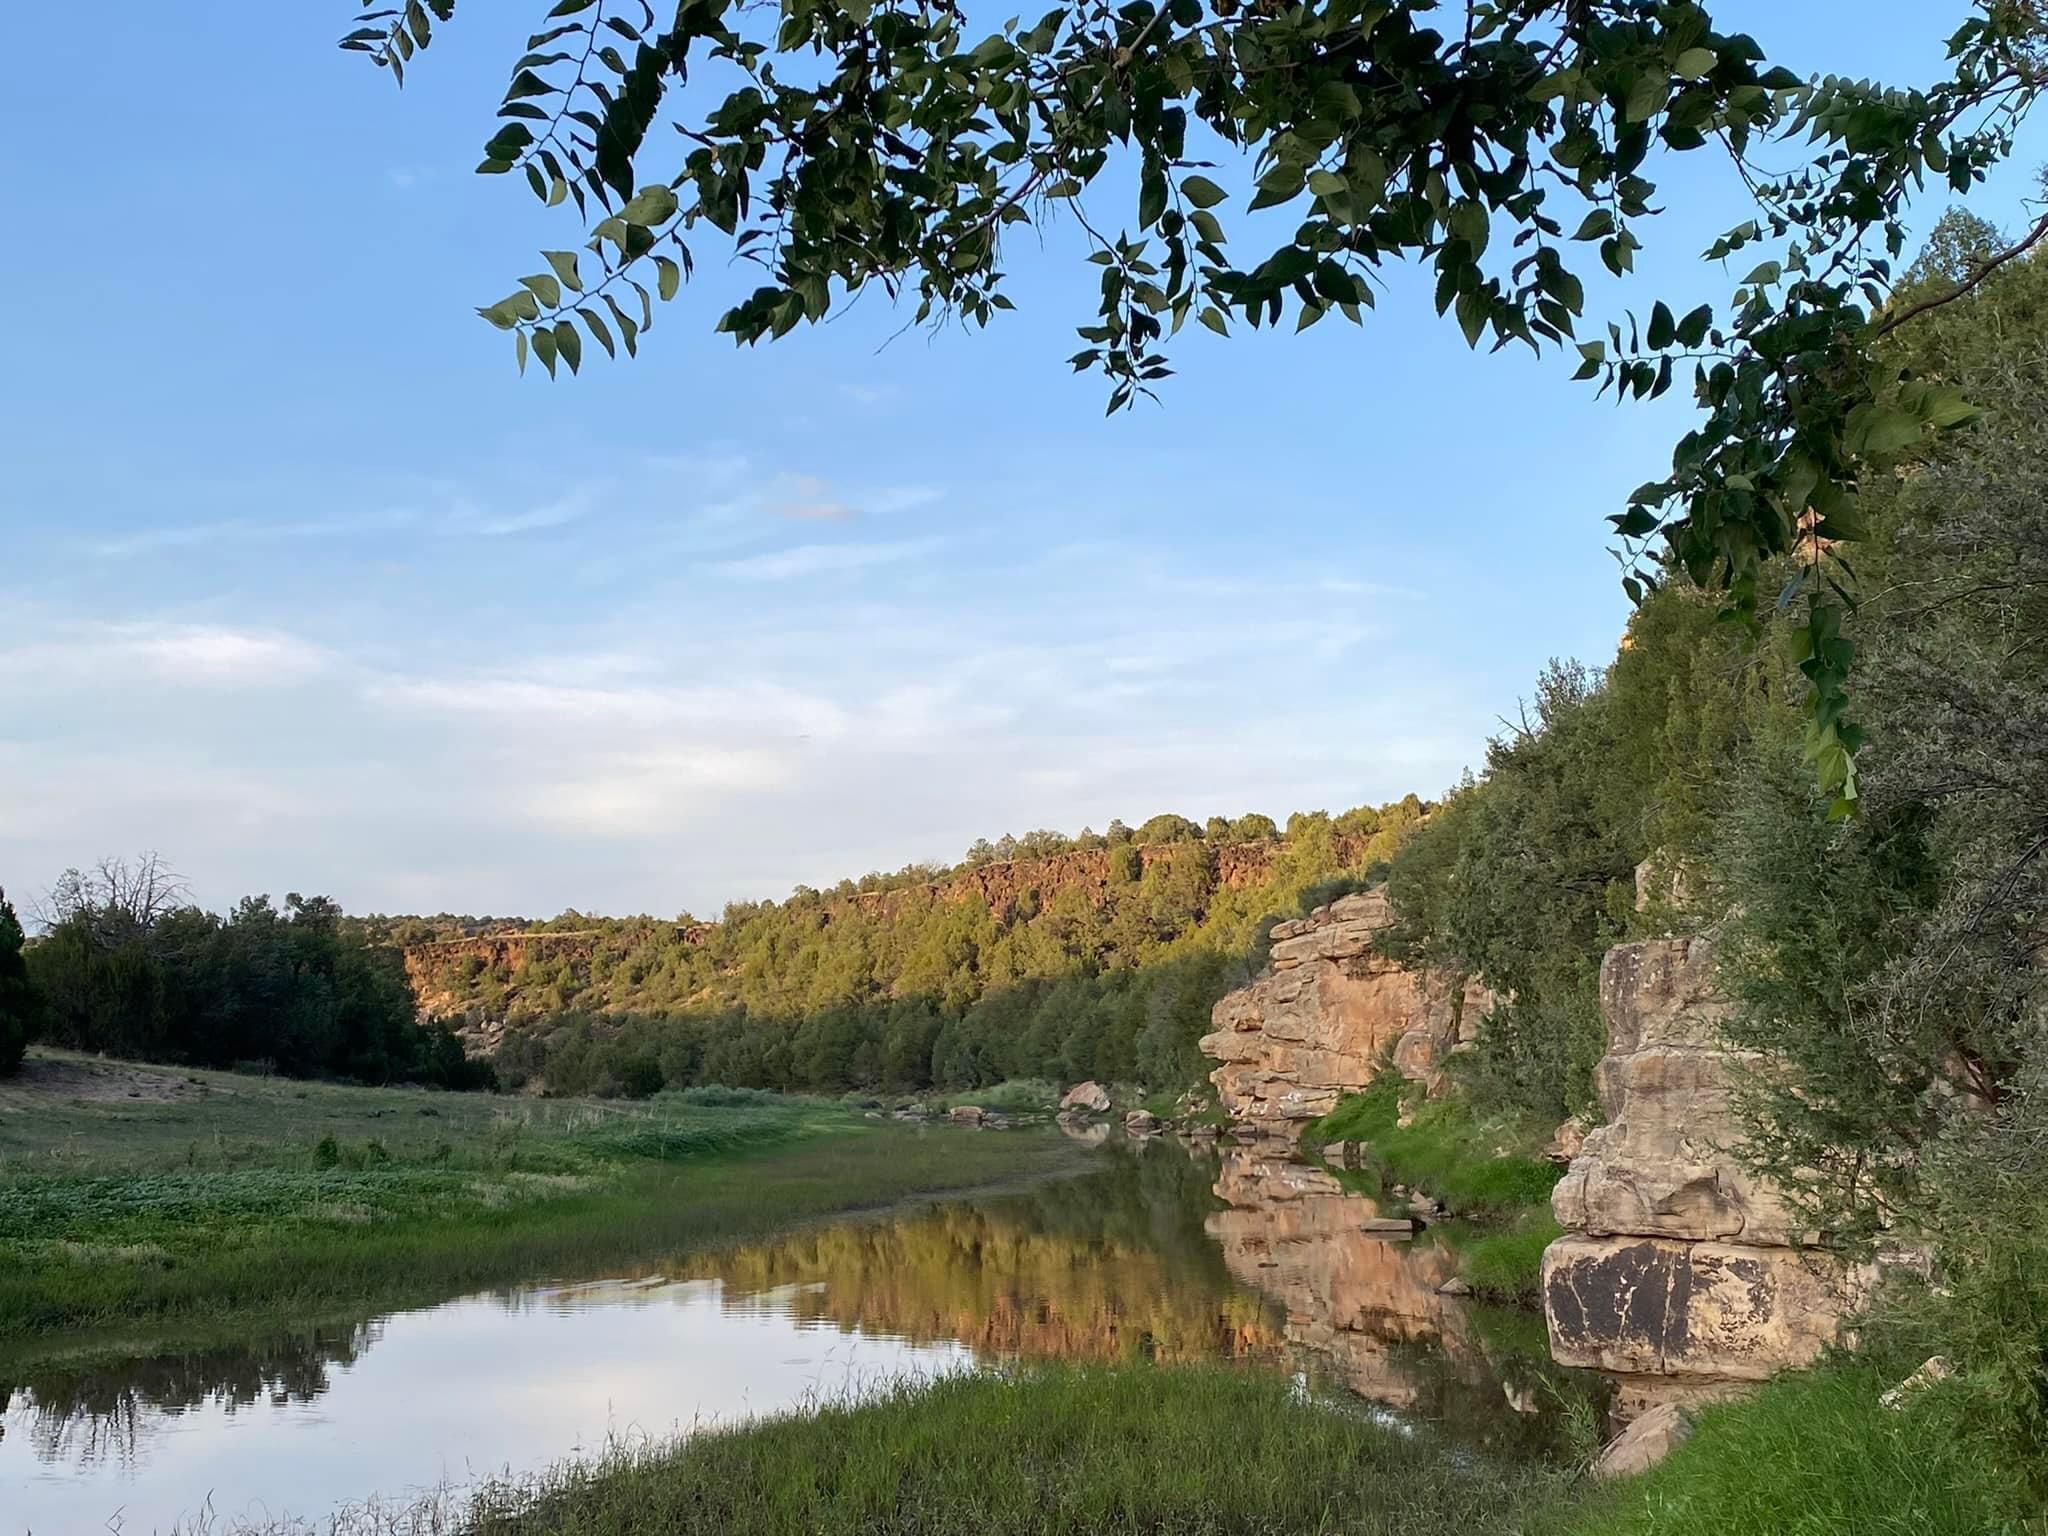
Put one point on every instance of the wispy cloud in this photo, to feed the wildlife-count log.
(173, 653)
(823, 560)
(554, 514)
(143, 541)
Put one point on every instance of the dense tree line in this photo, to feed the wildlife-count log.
(130, 968)
(1887, 966)
(928, 988)
(19, 1005)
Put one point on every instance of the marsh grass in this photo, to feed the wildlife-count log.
(1057, 1451)
(290, 1213)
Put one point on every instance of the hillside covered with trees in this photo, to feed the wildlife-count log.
(1099, 955)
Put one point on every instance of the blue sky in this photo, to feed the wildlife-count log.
(303, 586)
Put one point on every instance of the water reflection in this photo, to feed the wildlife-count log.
(1168, 1253)
(1365, 1311)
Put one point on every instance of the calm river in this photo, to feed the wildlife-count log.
(1165, 1253)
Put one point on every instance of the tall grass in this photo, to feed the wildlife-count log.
(1817, 1455)
(1060, 1451)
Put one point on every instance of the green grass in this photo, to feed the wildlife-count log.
(1503, 1262)
(265, 1198)
(1015, 1095)
(1063, 1451)
(1816, 1455)
(1478, 1169)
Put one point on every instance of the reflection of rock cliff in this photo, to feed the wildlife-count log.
(1677, 1269)
(1004, 1281)
(1351, 1298)
(1312, 1026)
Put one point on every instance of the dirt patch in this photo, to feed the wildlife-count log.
(41, 1081)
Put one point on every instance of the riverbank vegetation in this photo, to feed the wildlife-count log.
(215, 1197)
(1886, 963)
(1055, 1451)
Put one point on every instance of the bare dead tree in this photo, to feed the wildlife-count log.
(117, 900)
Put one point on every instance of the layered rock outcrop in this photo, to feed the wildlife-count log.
(1315, 1023)
(1678, 1271)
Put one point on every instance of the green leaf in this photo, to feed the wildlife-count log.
(569, 342)
(1646, 97)
(651, 207)
(1874, 429)
(1663, 328)
(1696, 63)
(1201, 191)
(668, 277)
(546, 288)
(564, 263)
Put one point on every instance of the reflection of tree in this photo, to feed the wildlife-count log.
(103, 1411)
(1113, 1266)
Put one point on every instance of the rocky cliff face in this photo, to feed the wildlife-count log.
(1312, 1026)
(1678, 1272)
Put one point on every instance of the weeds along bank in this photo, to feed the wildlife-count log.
(215, 1197)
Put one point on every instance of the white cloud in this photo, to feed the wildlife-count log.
(644, 793)
(106, 655)
(824, 560)
(553, 514)
(143, 541)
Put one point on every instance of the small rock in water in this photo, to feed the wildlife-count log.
(966, 1114)
(1141, 1122)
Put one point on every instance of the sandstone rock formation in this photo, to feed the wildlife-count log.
(1088, 1098)
(1678, 1272)
(1312, 1026)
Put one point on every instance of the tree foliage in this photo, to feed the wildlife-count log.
(19, 1004)
(1507, 144)
(129, 968)
(1097, 962)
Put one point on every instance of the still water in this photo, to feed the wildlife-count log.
(1162, 1254)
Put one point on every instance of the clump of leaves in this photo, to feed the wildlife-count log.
(1502, 142)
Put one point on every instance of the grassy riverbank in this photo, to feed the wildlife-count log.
(208, 1197)
(1490, 1175)
(1057, 1451)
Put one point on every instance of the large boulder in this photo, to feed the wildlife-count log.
(1088, 1098)
(1677, 1267)
(1314, 1024)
